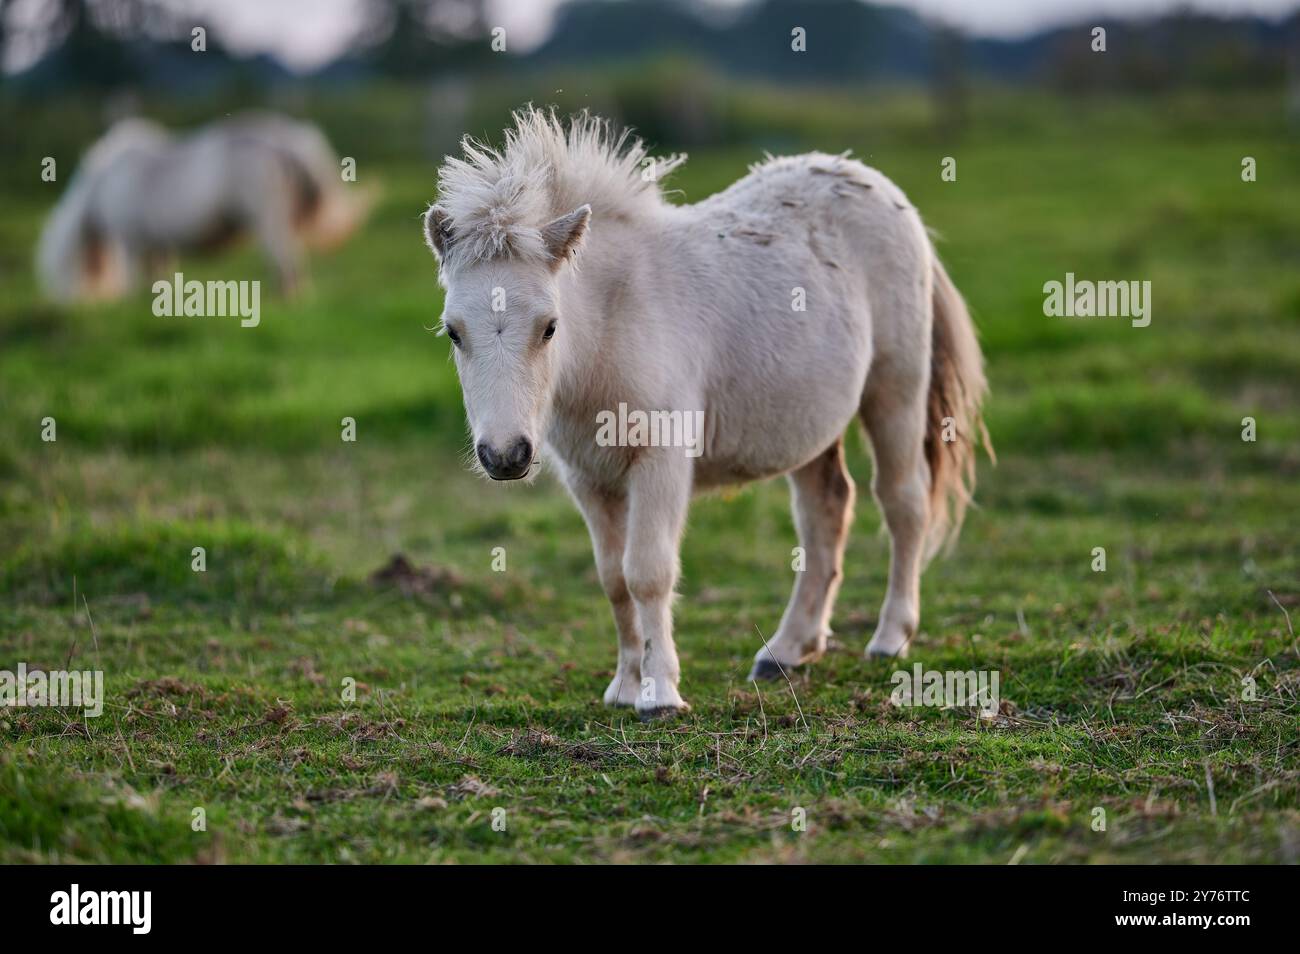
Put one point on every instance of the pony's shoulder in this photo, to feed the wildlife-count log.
(805, 181)
(810, 164)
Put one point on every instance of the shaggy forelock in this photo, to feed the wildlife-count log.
(497, 200)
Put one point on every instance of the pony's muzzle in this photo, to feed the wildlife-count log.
(509, 464)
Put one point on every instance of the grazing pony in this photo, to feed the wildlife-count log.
(802, 296)
(141, 195)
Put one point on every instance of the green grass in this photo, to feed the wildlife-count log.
(481, 690)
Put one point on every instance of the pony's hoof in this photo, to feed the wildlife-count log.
(766, 669)
(622, 693)
(662, 713)
(880, 651)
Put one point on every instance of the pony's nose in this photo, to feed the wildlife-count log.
(510, 464)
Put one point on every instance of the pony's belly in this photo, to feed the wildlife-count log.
(711, 474)
(776, 443)
(766, 419)
(724, 472)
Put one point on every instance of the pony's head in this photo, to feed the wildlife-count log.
(504, 317)
(506, 224)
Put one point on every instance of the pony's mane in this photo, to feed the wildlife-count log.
(497, 200)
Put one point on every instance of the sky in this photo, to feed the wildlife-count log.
(283, 25)
(308, 33)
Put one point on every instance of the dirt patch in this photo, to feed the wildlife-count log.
(534, 742)
(358, 728)
(383, 785)
(420, 581)
(277, 714)
(305, 667)
(472, 787)
(166, 687)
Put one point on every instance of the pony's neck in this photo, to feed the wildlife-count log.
(595, 297)
(590, 290)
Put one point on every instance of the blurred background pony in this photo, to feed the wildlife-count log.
(142, 196)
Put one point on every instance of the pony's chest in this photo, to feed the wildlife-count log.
(573, 440)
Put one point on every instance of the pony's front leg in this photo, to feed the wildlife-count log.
(606, 518)
(659, 493)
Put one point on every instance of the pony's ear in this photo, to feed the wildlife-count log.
(563, 236)
(437, 231)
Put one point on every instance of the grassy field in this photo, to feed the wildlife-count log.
(479, 690)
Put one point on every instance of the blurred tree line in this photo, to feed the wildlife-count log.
(416, 73)
(104, 44)
(109, 44)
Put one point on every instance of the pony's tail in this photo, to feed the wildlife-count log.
(954, 428)
(328, 211)
(340, 214)
(62, 253)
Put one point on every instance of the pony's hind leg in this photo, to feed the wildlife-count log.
(894, 411)
(275, 235)
(268, 204)
(822, 493)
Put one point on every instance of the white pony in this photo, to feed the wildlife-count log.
(141, 196)
(804, 295)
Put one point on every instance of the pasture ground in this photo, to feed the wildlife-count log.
(480, 690)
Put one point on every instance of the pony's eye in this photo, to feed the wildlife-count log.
(549, 333)
(455, 338)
